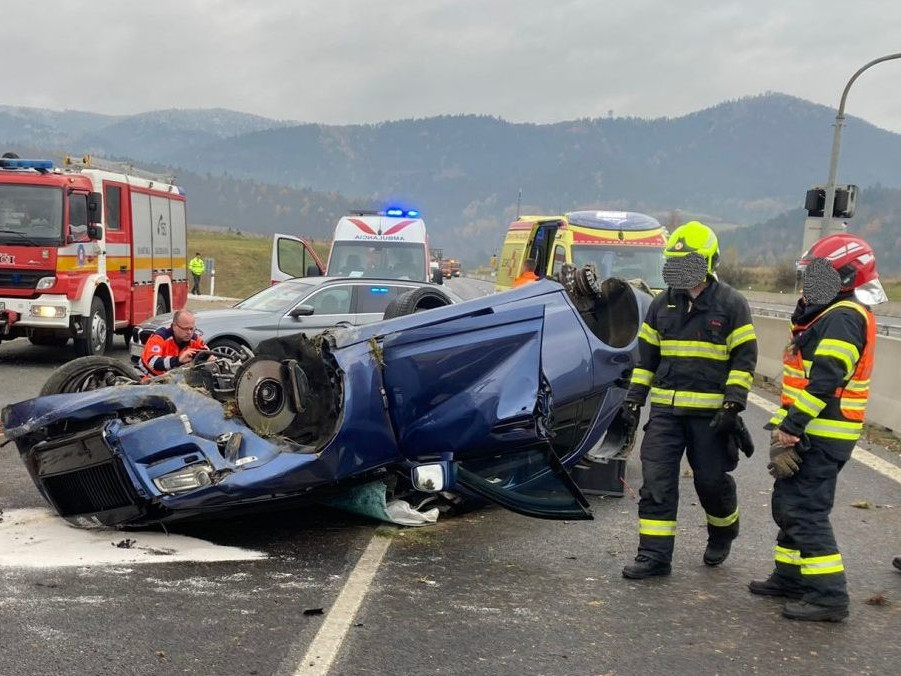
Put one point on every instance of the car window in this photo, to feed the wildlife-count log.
(374, 298)
(335, 300)
(276, 298)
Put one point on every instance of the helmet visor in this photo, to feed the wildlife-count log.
(685, 272)
(820, 282)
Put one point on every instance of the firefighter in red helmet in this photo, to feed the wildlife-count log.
(825, 385)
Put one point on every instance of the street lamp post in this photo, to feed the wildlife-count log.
(829, 204)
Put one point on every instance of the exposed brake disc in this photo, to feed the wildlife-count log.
(269, 394)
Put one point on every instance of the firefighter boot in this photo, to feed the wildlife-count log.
(645, 566)
(772, 586)
(717, 552)
(811, 612)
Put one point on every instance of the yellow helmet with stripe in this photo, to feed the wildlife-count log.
(694, 237)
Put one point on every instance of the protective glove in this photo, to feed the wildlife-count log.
(743, 438)
(630, 414)
(784, 461)
(725, 421)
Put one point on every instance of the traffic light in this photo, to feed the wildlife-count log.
(845, 201)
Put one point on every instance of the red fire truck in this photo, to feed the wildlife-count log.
(86, 252)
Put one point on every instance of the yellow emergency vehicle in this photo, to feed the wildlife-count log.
(621, 244)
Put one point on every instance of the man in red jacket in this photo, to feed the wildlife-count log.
(172, 345)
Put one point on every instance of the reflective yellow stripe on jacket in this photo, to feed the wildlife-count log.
(709, 400)
(693, 348)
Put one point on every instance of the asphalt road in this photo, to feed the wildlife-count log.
(488, 592)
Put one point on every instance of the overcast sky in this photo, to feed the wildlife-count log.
(348, 61)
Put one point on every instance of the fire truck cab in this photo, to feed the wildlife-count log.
(86, 252)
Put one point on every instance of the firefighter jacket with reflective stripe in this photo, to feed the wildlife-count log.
(826, 374)
(695, 355)
(161, 351)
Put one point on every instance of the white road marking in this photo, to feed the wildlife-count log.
(37, 538)
(871, 460)
(324, 649)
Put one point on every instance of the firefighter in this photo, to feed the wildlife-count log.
(825, 385)
(197, 268)
(528, 273)
(697, 353)
(173, 345)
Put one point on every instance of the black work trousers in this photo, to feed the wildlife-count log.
(806, 554)
(195, 288)
(667, 436)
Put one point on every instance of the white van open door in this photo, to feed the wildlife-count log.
(293, 257)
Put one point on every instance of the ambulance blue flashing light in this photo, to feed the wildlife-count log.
(397, 212)
(17, 163)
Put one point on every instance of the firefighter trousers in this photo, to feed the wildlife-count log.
(806, 555)
(666, 437)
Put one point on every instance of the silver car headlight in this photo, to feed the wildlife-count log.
(186, 479)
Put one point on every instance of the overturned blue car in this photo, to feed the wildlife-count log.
(490, 399)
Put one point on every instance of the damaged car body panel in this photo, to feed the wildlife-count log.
(495, 397)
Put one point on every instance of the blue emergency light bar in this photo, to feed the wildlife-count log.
(396, 212)
(17, 163)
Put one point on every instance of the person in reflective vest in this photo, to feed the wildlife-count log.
(697, 354)
(825, 385)
(197, 268)
(173, 345)
(528, 273)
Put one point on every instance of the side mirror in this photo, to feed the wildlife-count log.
(313, 271)
(429, 478)
(95, 232)
(301, 311)
(95, 209)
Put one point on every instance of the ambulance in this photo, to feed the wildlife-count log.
(86, 252)
(623, 244)
(390, 244)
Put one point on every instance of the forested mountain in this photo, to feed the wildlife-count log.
(877, 219)
(742, 161)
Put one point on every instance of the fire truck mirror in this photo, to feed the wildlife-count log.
(95, 209)
(95, 232)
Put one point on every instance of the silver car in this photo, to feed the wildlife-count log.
(306, 305)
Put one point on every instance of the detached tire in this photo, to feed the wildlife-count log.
(416, 300)
(98, 337)
(88, 373)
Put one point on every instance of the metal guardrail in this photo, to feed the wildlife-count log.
(881, 328)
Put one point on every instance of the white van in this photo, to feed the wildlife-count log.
(390, 244)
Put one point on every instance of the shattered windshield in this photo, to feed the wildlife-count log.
(625, 262)
(278, 298)
(30, 213)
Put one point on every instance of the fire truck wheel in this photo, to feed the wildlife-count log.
(162, 304)
(97, 337)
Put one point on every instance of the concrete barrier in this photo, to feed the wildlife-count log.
(884, 406)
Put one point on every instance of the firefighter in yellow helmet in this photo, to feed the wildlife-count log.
(697, 354)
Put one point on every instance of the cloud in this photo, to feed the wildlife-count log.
(351, 61)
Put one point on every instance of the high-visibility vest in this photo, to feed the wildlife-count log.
(854, 393)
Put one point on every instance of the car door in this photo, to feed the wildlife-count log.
(332, 307)
(370, 300)
(293, 257)
(472, 389)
